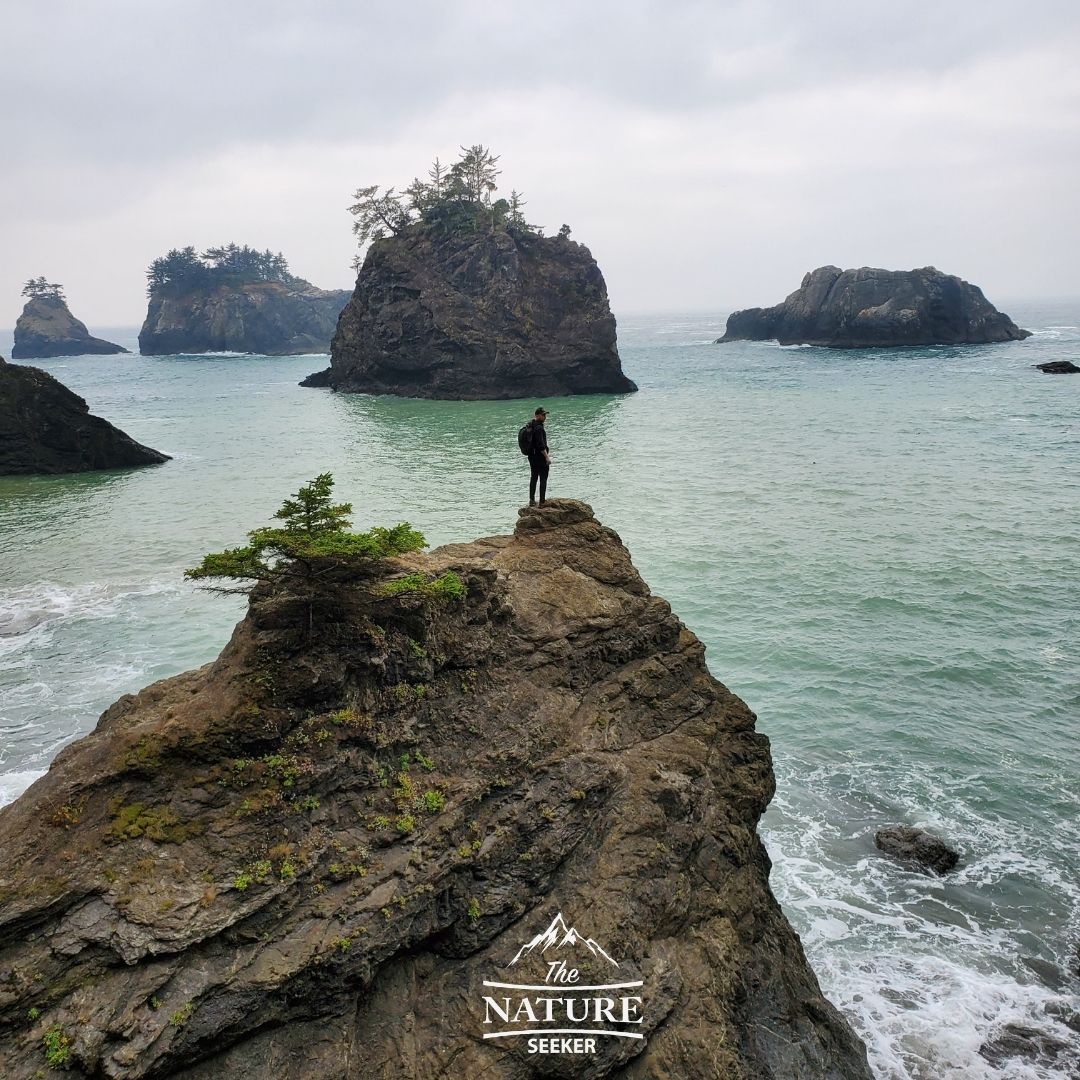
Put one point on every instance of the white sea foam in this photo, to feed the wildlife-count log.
(13, 784)
(31, 611)
(926, 972)
(222, 355)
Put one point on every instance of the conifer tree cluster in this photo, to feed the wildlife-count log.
(457, 198)
(314, 538)
(39, 289)
(229, 263)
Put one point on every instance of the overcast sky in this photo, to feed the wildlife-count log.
(708, 153)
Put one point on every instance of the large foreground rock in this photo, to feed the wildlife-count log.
(47, 328)
(46, 428)
(477, 314)
(272, 318)
(871, 308)
(306, 858)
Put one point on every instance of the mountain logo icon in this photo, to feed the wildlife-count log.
(557, 936)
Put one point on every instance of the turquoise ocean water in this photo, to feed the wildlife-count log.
(881, 551)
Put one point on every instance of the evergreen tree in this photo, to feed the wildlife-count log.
(314, 528)
(179, 265)
(515, 218)
(455, 200)
(230, 262)
(476, 169)
(376, 214)
(313, 538)
(40, 289)
(421, 196)
(437, 176)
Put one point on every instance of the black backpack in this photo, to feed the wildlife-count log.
(525, 439)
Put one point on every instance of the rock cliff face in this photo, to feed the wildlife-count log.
(47, 328)
(307, 858)
(267, 317)
(870, 308)
(477, 315)
(46, 428)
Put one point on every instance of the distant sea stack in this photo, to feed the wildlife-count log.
(47, 328)
(46, 428)
(870, 308)
(235, 299)
(460, 298)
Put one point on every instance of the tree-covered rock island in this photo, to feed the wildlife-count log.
(47, 328)
(460, 297)
(235, 299)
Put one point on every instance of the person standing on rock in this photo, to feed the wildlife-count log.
(539, 457)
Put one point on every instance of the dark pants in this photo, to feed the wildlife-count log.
(540, 469)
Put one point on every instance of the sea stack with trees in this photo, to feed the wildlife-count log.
(235, 299)
(47, 328)
(460, 297)
(871, 308)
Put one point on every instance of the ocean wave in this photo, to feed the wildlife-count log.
(30, 611)
(13, 784)
(929, 969)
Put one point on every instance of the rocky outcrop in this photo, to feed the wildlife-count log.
(272, 318)
(318, 378)
(47, 328)
(870, 308)
(310, 857)
(46, 428)
(1018, 1043)
(916, 847)
(1059, 367)
(477, 314)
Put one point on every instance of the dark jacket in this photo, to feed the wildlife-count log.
(539, 440)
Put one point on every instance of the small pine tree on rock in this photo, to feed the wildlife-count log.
(314, 538)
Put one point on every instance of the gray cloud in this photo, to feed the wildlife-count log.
(707, 152)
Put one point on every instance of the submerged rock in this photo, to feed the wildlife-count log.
(1030, 1045)
(872, 308)
(473, 314)
(273, 318)
(306, 858)
(1059, 367)
(47, 328)
(916, 847)
(46, 428)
